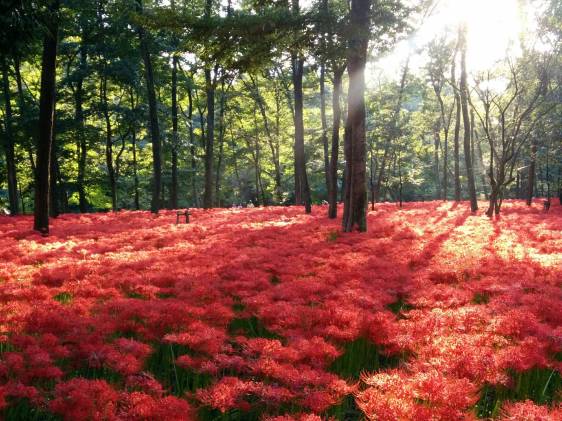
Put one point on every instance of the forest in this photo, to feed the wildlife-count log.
(280, 210)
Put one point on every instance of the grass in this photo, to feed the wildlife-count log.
(251, 327)
(63, 298)
(22, 409)
(162, 364)
(541, 385)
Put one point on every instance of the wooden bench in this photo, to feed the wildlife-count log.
(182, 213)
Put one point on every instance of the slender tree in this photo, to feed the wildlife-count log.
(467, 123)
(9, 142)
(153, 118)
(302, 189)
(46, 118)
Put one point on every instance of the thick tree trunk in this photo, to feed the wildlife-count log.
(46, 120)
(467, 123)
(175, 146)
(209, 141)
(9, 143)
(355, 204)
(153, 113)
(336, 122)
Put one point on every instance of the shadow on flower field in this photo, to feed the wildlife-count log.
(270, 314)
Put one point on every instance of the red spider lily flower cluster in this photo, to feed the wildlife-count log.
(262, 302)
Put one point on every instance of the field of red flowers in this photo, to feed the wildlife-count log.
(270, 314)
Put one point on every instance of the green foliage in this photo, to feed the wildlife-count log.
(361, 356)
(541, 385)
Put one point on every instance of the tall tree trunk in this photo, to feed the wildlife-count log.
(457, 130)
(153, 113)
(175, 146)
(46, 120)
(81, 147)
(108, 142)
(175, 142)
(532, 171)
(222, 110)
(9, 143)
(355, 204)
(302, 189)
(324, 125)
(192, 147)
(467, 125)
(209, 141)
(336, 123)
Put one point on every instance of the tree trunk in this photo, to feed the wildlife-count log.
(9, 143)
(467, 125)
(174, 186)
(355, 204)
(336, 122)
(108, 142)
(46, 119)
(457, 131)
(153, 114)
(302, 190)
(532, 171)
(324, 125)
(436, 145)
(222, 110)
(192, 147)
(81, 147)
(209, 141)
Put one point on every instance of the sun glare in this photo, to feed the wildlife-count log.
(494, 28)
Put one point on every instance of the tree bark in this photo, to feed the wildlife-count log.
(222, 110)
(355, 203)
(532, 171)
(108, 142)
(336, 123)
(209, 140)
(153, 114)
(9, 143)
(174, 186)
(192, 147)
(81, 147)
(457, 131)
(46, 119)
(436, 145)
(467, 123)
(324, 125)
(302, 189)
